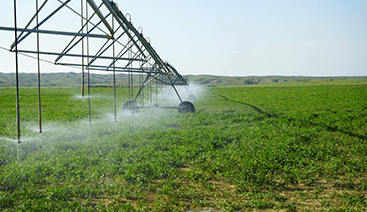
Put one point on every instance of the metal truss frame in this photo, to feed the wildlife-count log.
(134, 55)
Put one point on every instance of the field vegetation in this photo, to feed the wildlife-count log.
(290, 146)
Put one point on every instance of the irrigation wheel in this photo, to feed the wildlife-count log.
(185, 107)
(130, 105)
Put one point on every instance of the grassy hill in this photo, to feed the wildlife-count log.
(72, 79)
(213, 81)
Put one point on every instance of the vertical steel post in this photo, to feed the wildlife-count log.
(140, 84)
(114, 73)
(16, 69)
(129, 74)
(89, 113)
(82, 31)
(141, 79)
(131, 86)
(39, 74)
(142, 90)
(128, 83)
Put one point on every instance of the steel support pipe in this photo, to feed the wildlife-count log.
(77, 55)
(54, 32)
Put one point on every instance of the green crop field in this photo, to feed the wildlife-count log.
(291, 146)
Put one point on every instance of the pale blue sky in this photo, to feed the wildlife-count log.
(238, 37)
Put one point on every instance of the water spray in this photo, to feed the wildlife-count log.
(132, 53)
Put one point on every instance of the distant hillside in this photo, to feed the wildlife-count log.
(74, 79)
(209, 80)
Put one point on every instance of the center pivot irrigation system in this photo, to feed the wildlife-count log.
(105, 40)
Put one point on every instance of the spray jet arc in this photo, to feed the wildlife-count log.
(162, 80)
(118, 46)
(132, 52)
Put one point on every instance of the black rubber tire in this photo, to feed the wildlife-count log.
(130, 105)
(186, 107)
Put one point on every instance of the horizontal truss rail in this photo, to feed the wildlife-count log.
(106, 68)
(55, 32)
(76, 55)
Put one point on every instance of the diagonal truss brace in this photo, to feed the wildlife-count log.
(99, 13)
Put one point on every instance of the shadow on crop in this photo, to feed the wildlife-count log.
(333, 129)
(246, 104)
(328, 128)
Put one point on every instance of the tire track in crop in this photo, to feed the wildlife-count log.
(332, 129)
(327, 127)
(246, 104)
